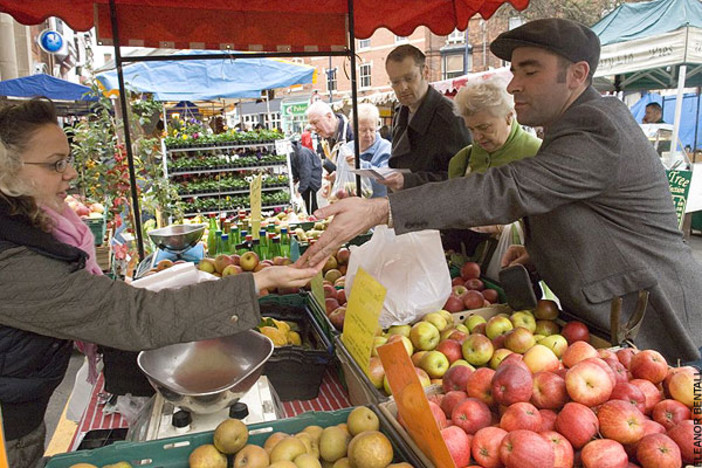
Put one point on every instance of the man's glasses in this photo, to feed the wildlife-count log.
(59, 166)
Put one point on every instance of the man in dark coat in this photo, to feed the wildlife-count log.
(307, 173)
(426, 133)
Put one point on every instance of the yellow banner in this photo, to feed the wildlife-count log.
(255, 197)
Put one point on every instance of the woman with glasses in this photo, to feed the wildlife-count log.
(51, 292)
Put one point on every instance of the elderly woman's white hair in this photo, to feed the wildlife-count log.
(367, 111)
(489, 95)
(318, 108)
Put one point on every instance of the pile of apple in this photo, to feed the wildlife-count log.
(356, 443)
(528, 408)
(317, 230)
(85, 208)
(334, 293)
(469, 291)
(228, 265)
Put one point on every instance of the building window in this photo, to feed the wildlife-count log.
(272, 122)
(453, 66)
(363, 44)
(331, 79)
(401, 38)
(456, 37)
(364, 75)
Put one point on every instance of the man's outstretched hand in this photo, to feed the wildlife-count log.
(352, 216)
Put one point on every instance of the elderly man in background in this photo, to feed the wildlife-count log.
(375, 150)
(426, 133)
(333, 130)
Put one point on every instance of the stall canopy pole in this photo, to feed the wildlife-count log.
(136, 211)
(354, 99)
(682, 71)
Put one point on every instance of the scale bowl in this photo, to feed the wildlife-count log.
(207, 376)
(177, 238)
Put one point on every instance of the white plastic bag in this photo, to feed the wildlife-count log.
(512, 234)
(412, 268)
(345, 180)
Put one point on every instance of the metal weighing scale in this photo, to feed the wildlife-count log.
(174, 242)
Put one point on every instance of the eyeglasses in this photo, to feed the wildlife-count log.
(59, 166)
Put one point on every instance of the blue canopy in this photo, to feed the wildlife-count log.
(45, 85)
(201, 80)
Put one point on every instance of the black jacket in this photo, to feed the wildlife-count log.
(426, 143)
(31, 365)
(306, 168)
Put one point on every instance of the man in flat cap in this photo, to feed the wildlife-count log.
(599, 217)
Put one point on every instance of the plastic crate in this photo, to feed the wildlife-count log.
(173, 452)
(300, 301)
(98, 227)
(296, 372)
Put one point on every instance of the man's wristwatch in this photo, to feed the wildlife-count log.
(390, 223)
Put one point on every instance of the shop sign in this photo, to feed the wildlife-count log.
(679, 182)
(50, 41)
(294, 109)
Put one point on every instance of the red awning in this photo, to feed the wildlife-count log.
(259, 25)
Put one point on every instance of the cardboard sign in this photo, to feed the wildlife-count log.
(362, 312)
(679, 182)
(255, 198)
(318, 290)
(412, 403)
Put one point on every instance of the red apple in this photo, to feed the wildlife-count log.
(631, 394)
(456, 378)
(479, 385)
(576, 352)
(341, 296)
(474, 284)
(471, 415)
(519, 340)
(548, 420)
(470, 270)
(546, 310)
(604, 453)
(514, 359)
(526, 449)
(684, 435)
(577, 423)
(511, 383)
(608, 370)
(659, 451)
(450, 400)
(454, 304)
(681, 387)
(652, 427)
(473, 300)
(562, 449)
(337, 318)
(329, 291)
(588, 383)
(649, 365)
(651, 392)
(457, 281)
(546, 328)
(669, 413)
(486, 446)
(621, 373)
(549, 391)
(620, 421)
(331, 304)
(521, 415)
(438, 414)
(491, 295)
(458, 335)
(540, 358)
(458, 443)
(575, 331)
(624, 355)
(451, 349)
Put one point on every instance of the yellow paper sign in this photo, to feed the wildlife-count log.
(362, 312)
(318, 290)
(412, 403)
(255, 198)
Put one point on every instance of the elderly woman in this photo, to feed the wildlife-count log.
(375, 150)
(498, 139)
(51, 291)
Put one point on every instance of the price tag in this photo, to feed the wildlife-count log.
(283, 147)
(318, 290)
(412, 403)
(362, 312)
(255, 198)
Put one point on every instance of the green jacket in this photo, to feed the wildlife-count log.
(519, 145)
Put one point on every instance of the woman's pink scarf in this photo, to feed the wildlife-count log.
(70, 229)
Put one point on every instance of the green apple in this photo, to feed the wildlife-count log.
(498, 356)
(417, 357)
(498, 325)
(463, 328)
(477, 350)
(424, 335)
(423, 377)
(473, 320)
(434, 363)
(461, 362)
(207, 265)
(377, 341)
(405, 342)
(403, 330)
(557, 343)
(524, 319)
(437, 320)
(448, 316)
(546, 327)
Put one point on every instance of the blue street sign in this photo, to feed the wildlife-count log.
(50, 40)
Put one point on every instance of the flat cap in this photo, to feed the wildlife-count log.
(567, 38)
